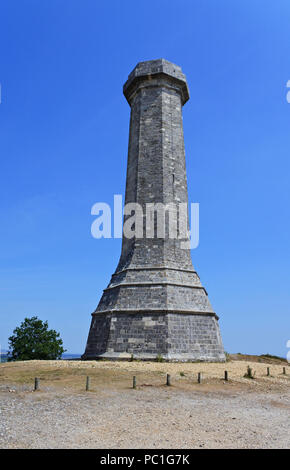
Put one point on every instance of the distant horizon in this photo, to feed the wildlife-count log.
(5, 352)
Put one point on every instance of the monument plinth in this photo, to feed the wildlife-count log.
(155, 303)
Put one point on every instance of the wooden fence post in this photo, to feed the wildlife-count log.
(134, 381)
(36, 384)
(88, 384)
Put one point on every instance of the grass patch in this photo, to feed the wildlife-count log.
(271, 356)
(159, 358)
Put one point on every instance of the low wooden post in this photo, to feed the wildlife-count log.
(226, 376)
(284, 370)
(268, 371)
(134, 381)
(36, 384)
(249, 373)
(199, 377)
(88, 384)
(168, 380)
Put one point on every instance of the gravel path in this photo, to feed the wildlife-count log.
(241, 413)
(150, 417)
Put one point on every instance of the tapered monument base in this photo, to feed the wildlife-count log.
(173, 336)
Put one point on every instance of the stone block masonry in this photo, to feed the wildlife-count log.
(155, 303)
(174, 336)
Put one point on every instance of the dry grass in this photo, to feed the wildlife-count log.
(118, 375)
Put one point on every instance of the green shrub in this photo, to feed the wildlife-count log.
(33, 340)
(159, 358)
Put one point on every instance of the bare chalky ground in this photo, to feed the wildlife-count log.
(240, 413)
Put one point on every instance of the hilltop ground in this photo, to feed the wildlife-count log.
(240, 413)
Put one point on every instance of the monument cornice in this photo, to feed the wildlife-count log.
(156, 73)
(152, 284)
(155, 311)
(155, 268)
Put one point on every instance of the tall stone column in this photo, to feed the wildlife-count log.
(155, 303)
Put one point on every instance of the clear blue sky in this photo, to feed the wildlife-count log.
(63, 145)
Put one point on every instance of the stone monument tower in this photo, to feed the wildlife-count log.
(155, 303)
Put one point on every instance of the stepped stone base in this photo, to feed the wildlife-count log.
(175, 336)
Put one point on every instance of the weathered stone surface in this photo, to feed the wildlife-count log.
(155, 303)
(175, 336)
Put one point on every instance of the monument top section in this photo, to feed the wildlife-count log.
(158, 72)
